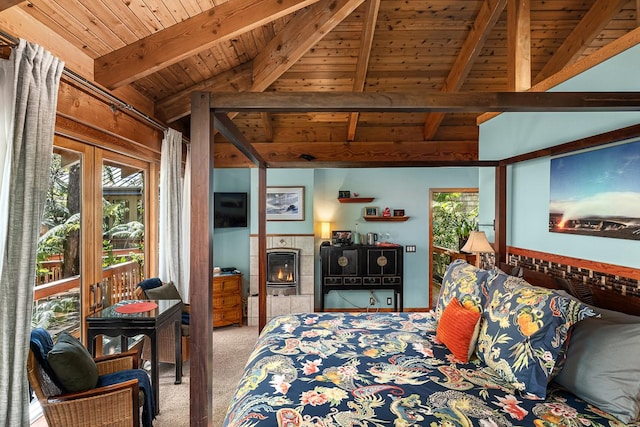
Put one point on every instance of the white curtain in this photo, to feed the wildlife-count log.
(27, 146)
(186, 227)
(171, 260)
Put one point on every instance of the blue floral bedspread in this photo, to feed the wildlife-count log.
(382, 369)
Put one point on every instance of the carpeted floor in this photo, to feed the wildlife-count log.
(231, 348)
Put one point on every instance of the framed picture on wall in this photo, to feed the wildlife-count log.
(370, 211)
(597, 192)
(285, 203)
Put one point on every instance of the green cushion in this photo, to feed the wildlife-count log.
(73, 365)
(166, 291)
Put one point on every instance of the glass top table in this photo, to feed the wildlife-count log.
(111, 322)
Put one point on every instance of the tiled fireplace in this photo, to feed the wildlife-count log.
(283, 271)
(287, 292)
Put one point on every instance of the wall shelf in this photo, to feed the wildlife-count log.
(386, 218)
(355, 199)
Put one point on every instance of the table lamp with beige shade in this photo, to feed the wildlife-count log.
(477, 244)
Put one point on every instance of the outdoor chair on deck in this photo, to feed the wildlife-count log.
(76, 390)
(155, 289)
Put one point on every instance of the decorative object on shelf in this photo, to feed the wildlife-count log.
(285, 203)
(386, 213)
(344, 194)
(355, 194)
(477, 244)
(370, 211)
(398, 212)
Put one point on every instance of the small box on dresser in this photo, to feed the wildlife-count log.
(227, 299)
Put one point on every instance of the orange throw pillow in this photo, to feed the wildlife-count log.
(458, 329)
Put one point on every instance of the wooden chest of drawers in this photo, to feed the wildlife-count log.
(227, 299)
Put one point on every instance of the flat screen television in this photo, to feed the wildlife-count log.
(230, 210)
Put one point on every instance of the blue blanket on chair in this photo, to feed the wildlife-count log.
(149, 405)
(150, 283)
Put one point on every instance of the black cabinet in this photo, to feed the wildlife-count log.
(362, 267)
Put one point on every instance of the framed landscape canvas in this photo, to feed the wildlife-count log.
(597, 192)
(285, 203)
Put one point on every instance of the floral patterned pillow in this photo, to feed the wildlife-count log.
(523, 330)
(464, 282)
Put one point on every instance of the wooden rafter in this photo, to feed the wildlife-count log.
(268, 127)
(226, 127)
(193, 35)
(594, 21)
(178, 105)
(519, 45)
(360, 154)
(300, 35)
(366, 41)
(6, 4)
(308, 27)
(484, 23)
(605, 53)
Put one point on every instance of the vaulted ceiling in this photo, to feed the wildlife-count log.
(165, 49)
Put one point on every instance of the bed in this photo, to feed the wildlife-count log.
(393, 369)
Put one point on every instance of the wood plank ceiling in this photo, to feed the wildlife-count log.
(165, 49)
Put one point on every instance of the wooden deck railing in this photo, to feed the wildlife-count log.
(53, 266)
(57, 304)
(117, 284)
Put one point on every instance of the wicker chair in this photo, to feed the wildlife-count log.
(114, 405)
(166, 342)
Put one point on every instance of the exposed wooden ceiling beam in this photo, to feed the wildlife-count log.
(425, 102)
(594, 21)
(182, 40)
(363, 154)
(366, 41)
(313, 22)
(178, 105)
(519, 45)
(623, 43)
(230, 131)
(382, 164)
(486, 19)
(6, 4)
(284, 50)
